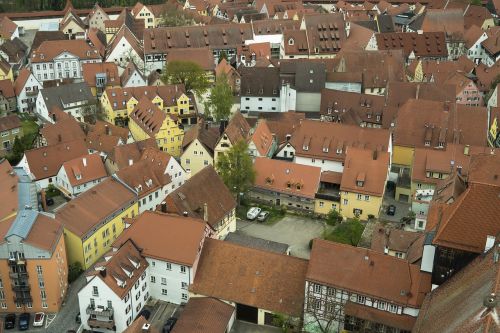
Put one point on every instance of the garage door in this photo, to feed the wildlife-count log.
(247, 313)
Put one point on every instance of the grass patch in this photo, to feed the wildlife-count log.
(348, 232)
(30, 128)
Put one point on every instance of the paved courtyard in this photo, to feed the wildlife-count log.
(244, 327)
(296, 231)
(402, 208)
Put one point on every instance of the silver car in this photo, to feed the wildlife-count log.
(253, 213)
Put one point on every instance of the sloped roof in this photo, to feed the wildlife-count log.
(90, 70)
(237, 129)
(48, 50)
(206, 135)
(122, 155)
(204, 315)
(84, 169)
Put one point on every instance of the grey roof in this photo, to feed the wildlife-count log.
(385, 23)
(256, 243)
(310, 77)
(27, 206)
(68, 93)
(260, 81)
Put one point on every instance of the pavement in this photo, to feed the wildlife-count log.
(64, 320)
(402, 208)
(296, 231)
(161, 311)
(244, 327)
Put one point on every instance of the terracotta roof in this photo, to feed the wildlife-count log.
(7, 27)
(359, 37)
(492, 43)
(352, 108)
(427, 44)
(476, 15)
(121, 155)
(368, 273)
(331, 177)
(121, 268)
(93, 206)
(206, 135)
(84, 169)
(465, 293)
(282, 124)
(104, 128)
(204, 315)
(90, 70)
(15, 50)
(98, 39)
(419, 121)
(166, 237)
(443, 161)
(439, 71)
(21, 80)
(45, 233)
(101, 142)
(472, 35)
(486, 76)
(9, 122)
(148, 174)
(148, 116)
(374, 315)
(324, 140)
(479, 203)
(252, 277)
(48, 50)
(485, 168)
(8, 191)
(368, 167)
(118, 97)
(286, 177)
(399, 92)
(202, 56)
(45, 162)
(237, 129)
(450, 21)
(408, 242)
(262, 138)
(205, 187)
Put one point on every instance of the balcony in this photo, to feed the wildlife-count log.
(32, 93)
(21, 288)
(99, 311)
(20, 275)
(23, 299)
(107, 324)
(328, 194)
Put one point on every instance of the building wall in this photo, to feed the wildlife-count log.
(344, 86)
(136, 80)
(123, 53)
(470, 95)
(288, 201)
(288, 98)
(325, 165)
(72, 29)
(323, 206)
(169, 137)
(226, 225)
(222, 146)
(7, 139)
(173, 281)
(260, 104)
(192, 162)
(308, 101)
(349, 201)
(402, 155)
(27, 97)
(7, 75)
(65, 65)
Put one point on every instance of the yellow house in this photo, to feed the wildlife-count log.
(95, 219)
(237, 129)
(118, 103)
(198, 147)
(150, 14)
(363, 183)
(147, 120)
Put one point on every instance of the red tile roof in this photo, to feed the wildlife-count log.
(367, 272)
(90, 71)
(374, 315)
(84, 169)
(48, 50)
(427, 44)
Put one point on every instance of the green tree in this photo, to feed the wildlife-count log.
(173, 16)
(333, 217)
(188, 73)
(220, 102)
(236, 169)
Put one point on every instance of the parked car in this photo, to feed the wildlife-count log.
(24, 321)
(263, 216)
(391, 210)
(49, 201)
(39, 319)
(253, 213)
(145, 313)
(169, 325)
(10, 321)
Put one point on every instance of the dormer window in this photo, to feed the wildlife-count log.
(325, 149)
(288, 185)
(291, 41)
(441, 144)
(378, 117)
(329, 110)
(339, 150)
(269, 180)
(306, 148)
(360, 183)
(299, 187)
(427, 143)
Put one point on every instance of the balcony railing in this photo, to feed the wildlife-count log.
(21, 288)
(99, 311)
(32, 93)
(107, 324)
(21, 275)
(23, 299)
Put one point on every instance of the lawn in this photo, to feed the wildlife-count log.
(29, 128)
(348, 232)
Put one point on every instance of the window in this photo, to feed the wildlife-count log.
(317, 288)
(39, 270)
(346, 201)
(43, 294)
(169, 266)
(330, 291)
(110, 305)
(359, 196)
(184, 285)
(361, 299)
(381, 305)
(95, 291)
(183, 269)
(153, 279)
(44, 305)
(393, 308)
(164, 281)
(184, 297)
(367, 198)
(164, 291)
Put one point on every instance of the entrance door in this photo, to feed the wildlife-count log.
(278, 202)
(247, 313)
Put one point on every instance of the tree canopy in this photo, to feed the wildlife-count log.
(34, 5)
(188, 73)
(236, 169)
(220, 101)
(173, 16)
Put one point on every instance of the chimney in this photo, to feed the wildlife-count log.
(108, 130)
(145, 327)
(130, 161)
(59, 137)
(163, 207)
(103, 272)
(84, 161)
(54, 118)
(205, 212)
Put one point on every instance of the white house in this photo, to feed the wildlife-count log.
(172, 246)
(258, 94)
(80, 174)
(124, 48)
(132, 77)
(62, 59)
(116, 291)
(74, 99)
(474, 37)
(26, 88)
